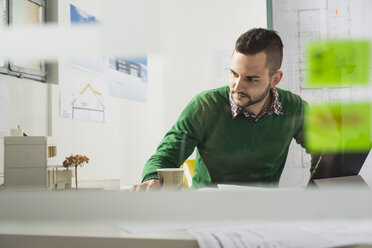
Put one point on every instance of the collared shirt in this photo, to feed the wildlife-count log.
(275, 107)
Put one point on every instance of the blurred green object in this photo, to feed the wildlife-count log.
(336, 127)
(338, 63)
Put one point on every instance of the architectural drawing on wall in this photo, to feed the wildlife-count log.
(82, 106)
(82, 97)
(299, 22)
(220, 61)
(128, 78)
(81, 17)
(128, 67)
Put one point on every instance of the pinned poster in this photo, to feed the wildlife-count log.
(338, 63)
(336, 127)
(80, 17)
(128, 78)
(82, 97)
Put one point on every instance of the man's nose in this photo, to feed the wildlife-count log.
(238, 85)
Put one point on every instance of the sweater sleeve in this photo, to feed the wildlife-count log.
(300, 135)
(180, 141)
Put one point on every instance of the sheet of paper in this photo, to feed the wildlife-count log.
(128, 78)
(166, 226)
(152, 228)
(231, 187)
(82, 97)
(315, 234)
(220, 63)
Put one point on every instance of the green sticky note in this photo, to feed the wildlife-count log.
(338, 127)
(338, 63)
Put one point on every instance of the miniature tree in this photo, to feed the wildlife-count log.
(75, 160)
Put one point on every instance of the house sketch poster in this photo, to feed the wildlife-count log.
(81, 17)
(128, 78)
(82, 97)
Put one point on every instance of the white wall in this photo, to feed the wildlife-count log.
(119, 147)
(27, 102)
(191, 31)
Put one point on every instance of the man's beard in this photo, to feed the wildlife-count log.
(259, 99)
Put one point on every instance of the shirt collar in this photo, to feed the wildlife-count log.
(275, 107)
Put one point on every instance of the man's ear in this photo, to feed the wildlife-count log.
(276, 78)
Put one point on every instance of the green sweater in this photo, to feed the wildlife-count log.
(230, 150)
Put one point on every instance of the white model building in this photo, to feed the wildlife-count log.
(29, 163)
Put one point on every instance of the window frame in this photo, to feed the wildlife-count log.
(4, 69)
(20, 71)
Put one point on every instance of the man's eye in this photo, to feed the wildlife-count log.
(251, 80)
(234, 74)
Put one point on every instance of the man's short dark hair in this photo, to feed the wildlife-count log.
(258, 40)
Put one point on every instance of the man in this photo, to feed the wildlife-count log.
(242, 132)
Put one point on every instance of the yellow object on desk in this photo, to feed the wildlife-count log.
(188, 166)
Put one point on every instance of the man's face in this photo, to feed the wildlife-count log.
(249, 78)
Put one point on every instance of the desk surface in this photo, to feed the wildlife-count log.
(106, 184)
(46, 234)
(91, 218)
(62, 234)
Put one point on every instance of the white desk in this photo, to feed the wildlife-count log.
(90, 219)
(62, 234)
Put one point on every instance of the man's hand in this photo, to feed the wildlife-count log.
(146, 186)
